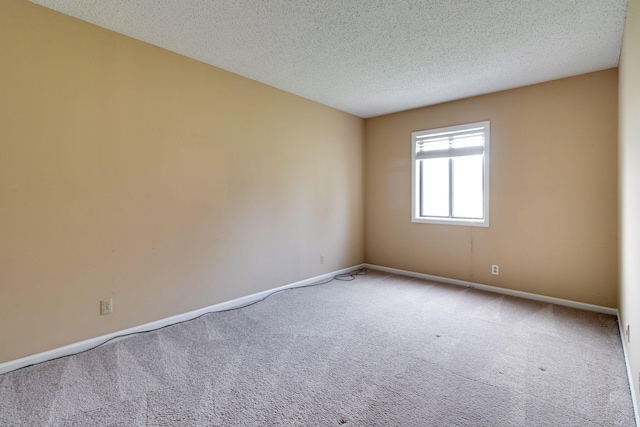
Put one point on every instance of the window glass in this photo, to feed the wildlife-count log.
(467, 187)
(435, 187)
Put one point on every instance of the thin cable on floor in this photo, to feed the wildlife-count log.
(346, 277)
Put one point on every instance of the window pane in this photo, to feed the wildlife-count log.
(467, 187)
(435, 187)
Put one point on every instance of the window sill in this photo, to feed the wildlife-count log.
(456, 221)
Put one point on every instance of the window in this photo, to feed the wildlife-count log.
(450, 168)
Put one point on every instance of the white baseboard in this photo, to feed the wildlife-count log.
(94, 342)
(498, 290)
(634, 396)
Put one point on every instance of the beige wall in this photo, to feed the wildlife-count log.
(130, 172)
(553, 192)
(630, 184)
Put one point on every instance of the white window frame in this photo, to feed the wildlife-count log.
(415, 185)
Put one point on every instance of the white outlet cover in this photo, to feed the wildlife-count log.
(106, 306)
(627, 331)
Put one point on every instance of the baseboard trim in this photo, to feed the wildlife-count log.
(634, 396)
(74, 348)
(498, 290)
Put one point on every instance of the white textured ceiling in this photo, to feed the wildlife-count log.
(371, 57)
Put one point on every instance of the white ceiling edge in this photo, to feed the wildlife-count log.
(370, 58)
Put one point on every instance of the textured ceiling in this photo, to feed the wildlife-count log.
(370, 57)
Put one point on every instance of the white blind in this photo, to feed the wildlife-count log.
(465, 142)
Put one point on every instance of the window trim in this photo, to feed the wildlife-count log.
(415, 197)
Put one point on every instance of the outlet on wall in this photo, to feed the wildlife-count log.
(106, 306)
(495, 269)
(321, 259)
(627, 332)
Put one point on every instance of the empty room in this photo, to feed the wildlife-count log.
(274, 213)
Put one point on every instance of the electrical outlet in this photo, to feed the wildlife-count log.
(106, 306)
(321, 259)
(495, 269)
(627, 332)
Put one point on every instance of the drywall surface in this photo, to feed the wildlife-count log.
(133, 173)
(375, 57)
(630, 185)
(553, 196)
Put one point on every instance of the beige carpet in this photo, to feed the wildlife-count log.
(381, 350)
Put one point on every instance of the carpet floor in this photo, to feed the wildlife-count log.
(382, 350)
